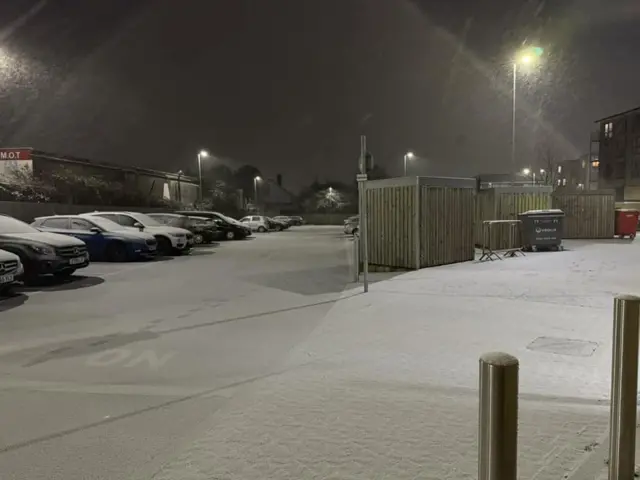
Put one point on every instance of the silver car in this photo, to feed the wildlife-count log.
(351, 225)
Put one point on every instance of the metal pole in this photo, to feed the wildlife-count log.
(200, 176)
(405, 164)
(356, 257)
(255, 193)
(498, 417)
(362, 188)
(624, 387)
(513, 117)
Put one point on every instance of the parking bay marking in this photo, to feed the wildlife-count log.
(123, 357)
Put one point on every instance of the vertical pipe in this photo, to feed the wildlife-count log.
(416, 223)
(199, 178)
(624, 387)
(498, 417)
(513, 117)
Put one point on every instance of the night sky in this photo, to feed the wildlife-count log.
(289, 85)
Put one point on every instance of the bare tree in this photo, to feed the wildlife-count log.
(548, 161)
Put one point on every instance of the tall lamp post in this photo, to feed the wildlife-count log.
(528, 171)
(201, 154)
(255, 190)
(407, 156)
(526, 57)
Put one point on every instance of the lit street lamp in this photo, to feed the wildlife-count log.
(201, 154)
(255, 190)
(526, 57)
(407, 156)
(528, 171)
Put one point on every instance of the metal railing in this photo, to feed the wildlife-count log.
(498, 416)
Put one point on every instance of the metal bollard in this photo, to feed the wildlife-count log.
(624, 387)
(498, 417)
(356, 257)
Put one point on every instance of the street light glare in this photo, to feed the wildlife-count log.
(526, 59)
(204, 153)
(258, 179)
(526, 171)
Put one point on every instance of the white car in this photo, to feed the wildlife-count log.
(257, 223)
(10, 269)
(170, 239)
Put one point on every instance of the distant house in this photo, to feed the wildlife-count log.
(619, 154)
(273, 198)
(577, 174)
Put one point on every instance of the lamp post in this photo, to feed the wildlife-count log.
(528, 171)
(201, 154)
(255, 190)
(525, 58)
(407, 156)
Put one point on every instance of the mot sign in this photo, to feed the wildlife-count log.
(11, 158)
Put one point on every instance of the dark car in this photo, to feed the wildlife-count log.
(277, 225)
(42, 253)
(231, 229)
(204, 229)
(105, 239)
(296, 220)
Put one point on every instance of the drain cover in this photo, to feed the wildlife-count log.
(563, 346)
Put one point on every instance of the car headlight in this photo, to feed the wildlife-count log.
(42, 250)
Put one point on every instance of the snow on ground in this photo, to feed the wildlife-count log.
(386, 386)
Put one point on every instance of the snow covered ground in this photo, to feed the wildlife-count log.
(386, 386)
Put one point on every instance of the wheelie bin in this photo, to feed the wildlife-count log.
(626, 223)
(541, 229)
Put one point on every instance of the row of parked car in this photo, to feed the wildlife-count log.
(61, 244)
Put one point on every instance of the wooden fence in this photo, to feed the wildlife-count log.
(419, 222)
(506, 203)
(588, 214)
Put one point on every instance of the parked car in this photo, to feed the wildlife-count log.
(10, 269)
(42, 253)
(351, 225)
(170, 239)
(105, 239)
(286, 220)
(257, 223)
(204, 230)
(231, 228)
(276, 225)
(296, 220)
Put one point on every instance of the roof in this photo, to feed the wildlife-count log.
(615, 115)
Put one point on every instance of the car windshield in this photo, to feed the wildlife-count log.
(146, 220)
(11, 225)
(105, 223)
(176, 221)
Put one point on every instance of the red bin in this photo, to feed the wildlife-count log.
(626, 223)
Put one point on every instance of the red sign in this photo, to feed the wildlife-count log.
(15, 153)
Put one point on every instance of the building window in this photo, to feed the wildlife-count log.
(608, 130)
(595, 164)
(564, 182)
(559, 168)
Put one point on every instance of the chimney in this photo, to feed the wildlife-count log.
(279, 180)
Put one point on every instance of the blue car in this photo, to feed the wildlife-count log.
(105, 239)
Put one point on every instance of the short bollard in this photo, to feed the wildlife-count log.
(498, 417)
(624, 387)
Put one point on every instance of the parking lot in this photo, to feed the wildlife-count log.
(118, 366)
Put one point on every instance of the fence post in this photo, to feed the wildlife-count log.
(624, 387)
(356, 257)
(498, 417)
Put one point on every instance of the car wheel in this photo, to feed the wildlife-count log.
(116, 252)
(5, 291)
(262, 229)
(230, 235)
(198, 239)
(355, 231)
(164, 246)
(279, 228)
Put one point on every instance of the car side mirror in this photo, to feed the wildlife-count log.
(139, 226)
(95, 230)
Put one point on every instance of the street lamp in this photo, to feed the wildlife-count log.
(407, 156)
(255, 189)
(528, 171)
(201, 154)
(526, 57)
